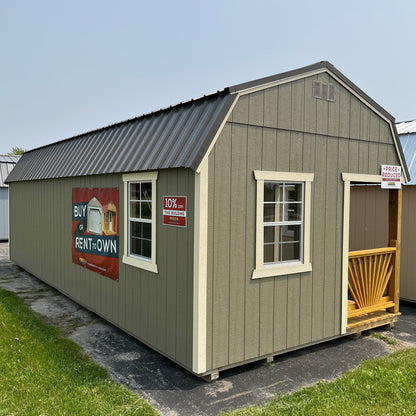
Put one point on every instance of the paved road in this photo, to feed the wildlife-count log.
(172, 390)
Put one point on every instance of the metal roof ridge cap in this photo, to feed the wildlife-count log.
(262, 82)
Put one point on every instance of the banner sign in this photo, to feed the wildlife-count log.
(95, 230)
(391, 177)
(174, 210)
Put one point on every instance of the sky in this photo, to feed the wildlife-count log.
(70, 67)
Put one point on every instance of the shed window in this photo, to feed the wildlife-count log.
(140, 220)
(283, 223)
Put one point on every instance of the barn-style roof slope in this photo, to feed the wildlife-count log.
(177, 136)
(407, 135)
(7, 163)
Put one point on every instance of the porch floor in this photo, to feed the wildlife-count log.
(371, 320)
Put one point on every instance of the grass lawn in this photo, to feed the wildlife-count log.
(42, 373)
(379, 387)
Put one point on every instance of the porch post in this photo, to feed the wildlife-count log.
(395, 231)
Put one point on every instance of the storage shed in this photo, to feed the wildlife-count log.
(7, 163)
(233, 219)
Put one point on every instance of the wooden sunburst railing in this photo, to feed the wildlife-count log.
(369, 275)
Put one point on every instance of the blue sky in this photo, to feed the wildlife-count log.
(70, 67)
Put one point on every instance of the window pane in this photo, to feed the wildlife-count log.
(293, 211)
(271, 253)
(134, 209)
(290, 251)
(147, 230)
(146, 192)
(135, 246)
(293, 192)
(273, 212)
(146, 210)
(271, 234)
(136, 229)
(135, 191)
(147, 248)
(273, 192)
(289, 233)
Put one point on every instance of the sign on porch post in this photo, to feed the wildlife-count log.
(391, 177)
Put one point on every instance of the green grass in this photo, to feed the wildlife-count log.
(42, 373)
(388, 340)
(379, 387)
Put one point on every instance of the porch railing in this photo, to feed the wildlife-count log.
(370, 275)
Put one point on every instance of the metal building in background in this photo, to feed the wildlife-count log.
(7, 163)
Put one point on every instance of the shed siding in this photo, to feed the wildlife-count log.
(155, 308)
(283, 129)
(4, 214)
(369, 216)
(408, 257)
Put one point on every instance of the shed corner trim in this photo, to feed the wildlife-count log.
(199, 341)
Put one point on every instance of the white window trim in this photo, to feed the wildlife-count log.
(270, 270)
(149, 265)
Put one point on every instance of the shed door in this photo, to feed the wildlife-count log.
(95, 221)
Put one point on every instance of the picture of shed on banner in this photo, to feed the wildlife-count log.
(95, 244)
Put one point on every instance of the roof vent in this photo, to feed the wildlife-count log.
(323, 91)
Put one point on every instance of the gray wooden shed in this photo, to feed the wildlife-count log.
(7, 163)
(232, 225)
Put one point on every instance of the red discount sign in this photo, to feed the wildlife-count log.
(391, 177)
(174, 210)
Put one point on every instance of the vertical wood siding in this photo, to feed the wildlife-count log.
(408, 248)
(155, 308)
(369, 216)
(283, 129)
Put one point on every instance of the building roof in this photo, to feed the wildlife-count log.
(174, 137)
(406, 127)
(407, 135)
(7, 163)
(177, 136)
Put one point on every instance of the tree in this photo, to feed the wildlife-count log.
(17, 151)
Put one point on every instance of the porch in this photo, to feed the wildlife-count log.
(374, 278)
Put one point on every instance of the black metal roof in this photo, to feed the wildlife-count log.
(177, 136)
(174, 137)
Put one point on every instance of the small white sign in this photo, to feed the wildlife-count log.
(391, 177)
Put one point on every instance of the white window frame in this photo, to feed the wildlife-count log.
(282, 268)
(131, 259)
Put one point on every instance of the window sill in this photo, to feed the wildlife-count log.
(281, 270)
(141, 264)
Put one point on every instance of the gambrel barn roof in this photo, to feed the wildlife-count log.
(174, 137)
(407, 134)
(7, 163)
